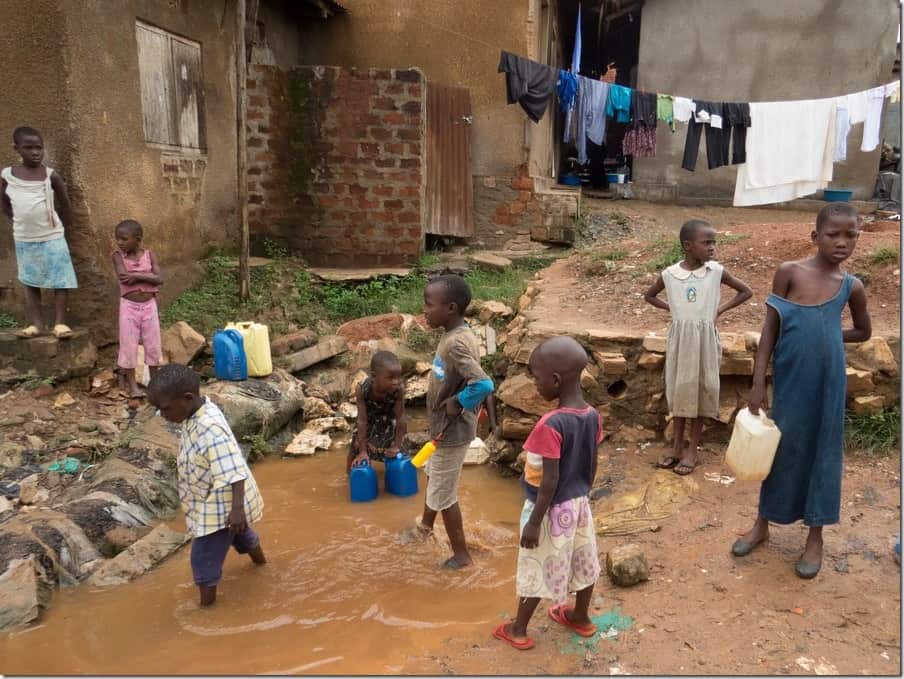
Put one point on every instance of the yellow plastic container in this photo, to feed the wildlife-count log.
(751, 450)
(256, 337)
(424, 454)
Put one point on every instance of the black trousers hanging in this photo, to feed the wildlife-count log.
(597, 154)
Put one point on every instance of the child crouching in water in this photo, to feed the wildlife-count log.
(558, 539)
(381, 425)
(804, 337)
(219, 495)
(694, 351)
(139, 282)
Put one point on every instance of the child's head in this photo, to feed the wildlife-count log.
(128, 235)
(556, 365)
(29, 145)
(175, 391)
(386, 371)
(698, 240)
(837, 231)
(446, 298)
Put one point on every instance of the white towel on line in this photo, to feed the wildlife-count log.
(790, 148)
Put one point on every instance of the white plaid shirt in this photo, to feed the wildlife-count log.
(209, 462)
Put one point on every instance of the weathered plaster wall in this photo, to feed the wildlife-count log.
(88, 106)
(763, 51)
(452, 42)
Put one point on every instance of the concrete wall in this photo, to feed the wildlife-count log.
(454, 42)
(88, 105)
(731, 50)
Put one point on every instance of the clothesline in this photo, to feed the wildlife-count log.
(812, 132)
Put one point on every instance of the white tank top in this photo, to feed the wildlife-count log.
(34, 217)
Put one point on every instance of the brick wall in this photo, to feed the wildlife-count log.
(336, 163)
(509, 213)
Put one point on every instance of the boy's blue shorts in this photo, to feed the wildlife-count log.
(209, 552)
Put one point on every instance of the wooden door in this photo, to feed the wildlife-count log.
(450, 195)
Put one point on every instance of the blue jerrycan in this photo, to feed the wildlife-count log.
(401, 476)
(362, 483)
(229, 361)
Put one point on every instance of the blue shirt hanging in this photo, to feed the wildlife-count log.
(618, 105)
(566, 89)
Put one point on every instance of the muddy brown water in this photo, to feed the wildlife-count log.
(341, 592)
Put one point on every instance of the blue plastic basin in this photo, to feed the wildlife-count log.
(837, 195)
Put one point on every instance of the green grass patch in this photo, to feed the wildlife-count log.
(875, 434)
(882, 256)
(8, 321)
(729, 238)
(600, 262)
(667, 252)
(534, 263)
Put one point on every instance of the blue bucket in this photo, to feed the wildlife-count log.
(837, 195)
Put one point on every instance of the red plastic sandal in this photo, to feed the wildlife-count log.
(557, 613)
(502, 635)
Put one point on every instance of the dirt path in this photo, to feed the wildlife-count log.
(705, 612)
(585, 290)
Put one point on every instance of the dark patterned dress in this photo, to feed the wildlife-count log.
(381, 424)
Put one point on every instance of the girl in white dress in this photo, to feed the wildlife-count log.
(694, 349)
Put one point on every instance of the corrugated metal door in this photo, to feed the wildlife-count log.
(450, 197)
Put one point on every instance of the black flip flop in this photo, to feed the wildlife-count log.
(690, 469)
(668, 463)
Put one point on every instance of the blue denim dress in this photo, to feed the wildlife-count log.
(809, 385)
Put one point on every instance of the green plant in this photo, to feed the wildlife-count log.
(874, 433)
(274, 250)
(534, 263)
(619, 218)
(33, 383)
(422, 341)
(8, 320)
(729, 238)
(667, 252)
(601, 262)
(495, 365)
(503, 286)
(259, 447)
(882, 256)
(427, 260)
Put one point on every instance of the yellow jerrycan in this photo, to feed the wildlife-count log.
(751, 450)
(257, 347)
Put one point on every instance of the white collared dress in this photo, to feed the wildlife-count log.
(694, 349)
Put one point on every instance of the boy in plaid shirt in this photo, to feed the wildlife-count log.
(219, 495)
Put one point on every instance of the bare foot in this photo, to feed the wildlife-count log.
(688, 463)
(813, 551)
(573, 617)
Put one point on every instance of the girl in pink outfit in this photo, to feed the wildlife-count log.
(139, 282)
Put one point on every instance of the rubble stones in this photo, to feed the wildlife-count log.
(307, 443)
(181, 343)
(519, 392)
(627, 566)
(314, 408)
(295, 341)
(491, 261)
(325, 349)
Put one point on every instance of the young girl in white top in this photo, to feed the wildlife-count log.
(694, 349)
(30, 195)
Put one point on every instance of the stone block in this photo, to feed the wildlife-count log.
(295, 341)
(322, 351)
(864, 405)
(517, 425)
(651, 361)
(23, 593)
(859, 382)
(140, 557)
(314, 408)
(308, 442)
(733, 343)
(736, 365)
(519, 392)
(490, 311)
(627, 565)
(181, 343)
(874, 356)
(655, 343)
(751, 341)
(370, 328)
(611, 364)
(491, 261)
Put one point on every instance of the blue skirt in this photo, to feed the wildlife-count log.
(45, 264)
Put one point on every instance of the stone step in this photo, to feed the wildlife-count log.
(46, 356)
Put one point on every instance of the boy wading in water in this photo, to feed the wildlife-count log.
(558, 539)
(35, 198)
(803, 336)
(219, 495)
(694, 350)
(457, 387)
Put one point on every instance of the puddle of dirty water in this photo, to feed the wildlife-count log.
(341, 593)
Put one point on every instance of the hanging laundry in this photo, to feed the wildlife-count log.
(857, 105)
(706, 115)
(580, 124)
(842, 128)
(640, 142)
(684, 109)
(665, 109)
(734, 125)
(789, 151)
(566, 89)
(528, 83)
(619, 103)
(576, 52)
(875, 100)
(893, 91)
(595, 111)
(643, 108)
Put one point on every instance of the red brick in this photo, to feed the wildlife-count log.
(250, 83)
(412, 107)
(408, 75)
(407, 217)
(340, 189)
(255, 142)
(407, 134)
(393, 204)
(381, 75)
(327, 201)
(525, 196)
(255, 198)
(321, 188)
(522, 183)
(383, 190)
(396, 149)
(365, 204)
(394, 231)
(394, 119)
(357, 189)
(413, 149)
(409, 192)
(516, 208)
(369, 150)
(383, 217)
(256, 100)
(408, 163)
(386, 162)
(254, 114)
(414, 90)
(380, 133)
(394, 88)
(255, 170)
(383, 104)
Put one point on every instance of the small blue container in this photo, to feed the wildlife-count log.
(362, 483)
(229, 361)
(401, 476)
(837, 195)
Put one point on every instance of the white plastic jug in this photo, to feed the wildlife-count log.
(751, 450)
(257, 347)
